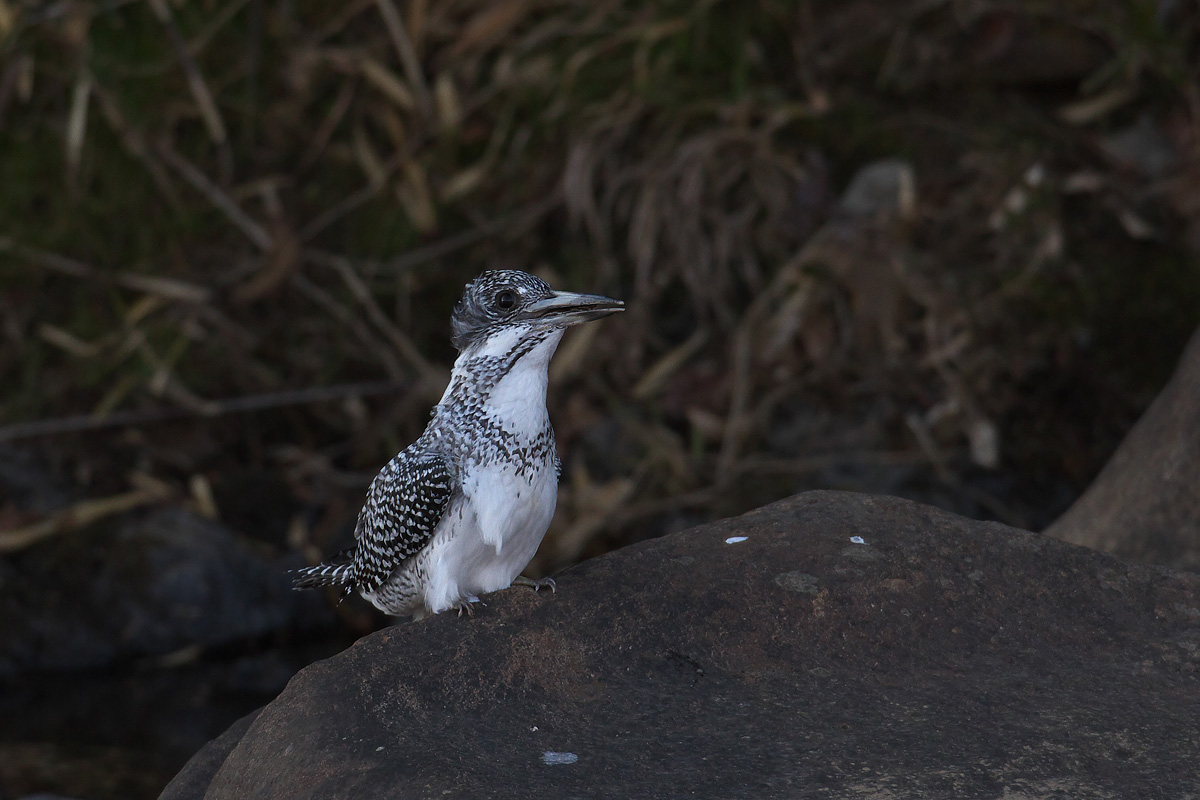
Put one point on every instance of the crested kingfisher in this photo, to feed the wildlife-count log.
(461, 511)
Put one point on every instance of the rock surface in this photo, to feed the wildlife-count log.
(1145, 504)
(142, 584)
(940, 658)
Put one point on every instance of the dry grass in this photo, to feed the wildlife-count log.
(210, 206)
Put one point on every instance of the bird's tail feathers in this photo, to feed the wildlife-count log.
(336, 572)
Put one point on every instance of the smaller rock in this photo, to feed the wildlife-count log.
(27, 486)
(1143, 147)
(1144, 505)
(144, 584)
(888, 186)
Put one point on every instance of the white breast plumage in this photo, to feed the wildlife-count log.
(490, 534)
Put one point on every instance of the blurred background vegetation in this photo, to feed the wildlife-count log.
(946, 250)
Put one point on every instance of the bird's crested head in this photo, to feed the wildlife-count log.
(502, 299)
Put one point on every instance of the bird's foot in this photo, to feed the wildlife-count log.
(540, 583)
(466, 606)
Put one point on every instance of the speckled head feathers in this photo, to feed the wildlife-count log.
(491, 299)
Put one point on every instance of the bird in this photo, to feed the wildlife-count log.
(460, 512)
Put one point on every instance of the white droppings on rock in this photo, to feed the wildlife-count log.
(858, 540)
(735, 539)
(551, 758)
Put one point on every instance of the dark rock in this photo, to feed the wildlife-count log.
(194, 778)
(940, 657)
(26, 486)
(1145, 504)
(144, 584)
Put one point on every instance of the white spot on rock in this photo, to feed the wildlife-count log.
(552, 758)
(858, 540)
(735, 539)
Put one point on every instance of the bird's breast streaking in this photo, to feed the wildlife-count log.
(461, 511)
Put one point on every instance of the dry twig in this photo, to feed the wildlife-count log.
(406, 51)
(80, 516)
(209, 409)
(253, 231)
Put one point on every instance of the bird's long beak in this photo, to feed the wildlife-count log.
(569, 308)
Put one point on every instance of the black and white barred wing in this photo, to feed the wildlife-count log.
(404, 505)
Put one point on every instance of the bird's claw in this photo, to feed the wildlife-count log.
(540, 583)
(467, 605)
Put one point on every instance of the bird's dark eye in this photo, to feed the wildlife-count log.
(506, 300)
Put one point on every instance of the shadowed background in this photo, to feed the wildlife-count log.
(935, 249)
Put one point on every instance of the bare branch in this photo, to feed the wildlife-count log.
(211, 408)
(406, 52)
(200, 91)
(224, 203)
(78, 516)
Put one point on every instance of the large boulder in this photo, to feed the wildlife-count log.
(829, 645)
(1145, 504)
